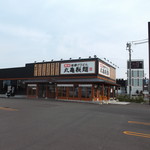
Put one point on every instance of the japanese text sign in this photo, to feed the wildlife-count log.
(104, 70)
(86, 67)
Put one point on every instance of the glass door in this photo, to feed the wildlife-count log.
(42, 90)
(31, 90)
(51, 91)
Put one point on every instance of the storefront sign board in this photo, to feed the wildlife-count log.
(104, 69)
(86, 67)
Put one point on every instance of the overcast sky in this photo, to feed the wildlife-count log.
(37, 30)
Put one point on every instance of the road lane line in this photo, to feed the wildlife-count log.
(136, 122)
(8, 109)
(137, 134)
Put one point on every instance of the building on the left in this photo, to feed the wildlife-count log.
(89, 79)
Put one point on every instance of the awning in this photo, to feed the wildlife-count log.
(85, 80)
(81, 80)
(37, 81)
(71, 80)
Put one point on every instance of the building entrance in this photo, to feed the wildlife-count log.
(32, 90)
(42, 91)
(51, 91)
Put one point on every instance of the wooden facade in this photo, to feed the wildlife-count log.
(81, 79)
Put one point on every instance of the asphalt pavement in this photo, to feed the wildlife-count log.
(38, 124)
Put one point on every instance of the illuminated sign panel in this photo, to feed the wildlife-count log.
(136, 65)
(104, 70)
(86, 67)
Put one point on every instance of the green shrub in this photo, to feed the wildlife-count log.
(125, 98)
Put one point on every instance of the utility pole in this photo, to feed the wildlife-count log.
(128, 46)
(149, 58)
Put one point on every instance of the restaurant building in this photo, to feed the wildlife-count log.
(90, 79)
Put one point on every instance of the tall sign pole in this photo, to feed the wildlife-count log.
(128, 46)
(149, 56)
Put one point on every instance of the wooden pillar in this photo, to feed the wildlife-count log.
(47, 91)
(67, 92)
(56, 90)
(93, 92)
(103, 91)
(27, 90)
(108, 92)
(113, 92)
(116, 88)
(37, 90)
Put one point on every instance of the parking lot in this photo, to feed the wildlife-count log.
(27, 124)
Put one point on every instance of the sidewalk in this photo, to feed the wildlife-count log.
(16, 96)
(97, 102)
(76, 101)
(117, 102)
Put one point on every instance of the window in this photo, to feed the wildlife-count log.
(6, 83)
(83, 92)
(71, 92)
(138, 73)
(137, 82)
(21, 88)
(62, 91)
(133, 83)
(140, 82)
(76, 91)
(141, 74)
(86, 92)
(134, 73)
(95, 92)
(32, 89)
(105, 91)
